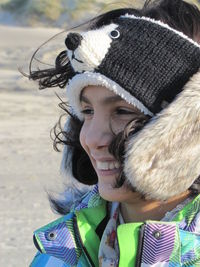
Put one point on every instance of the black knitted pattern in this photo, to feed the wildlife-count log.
(151, 62)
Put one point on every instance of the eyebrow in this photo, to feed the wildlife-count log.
(104, 101)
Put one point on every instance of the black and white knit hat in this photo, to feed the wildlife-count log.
(149, 64)
(144, 61)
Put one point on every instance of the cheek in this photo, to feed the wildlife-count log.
(118, 125)
(82, 137)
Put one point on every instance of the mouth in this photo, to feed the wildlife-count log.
(105, 166)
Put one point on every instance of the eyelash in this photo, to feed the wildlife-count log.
(122, 111)
(119, 111)
(86, 111)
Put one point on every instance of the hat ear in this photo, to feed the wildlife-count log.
(163, 159)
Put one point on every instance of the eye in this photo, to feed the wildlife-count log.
(87, 111)
(123, 111)
(114, 34)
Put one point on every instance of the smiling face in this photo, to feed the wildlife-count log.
(105, 114)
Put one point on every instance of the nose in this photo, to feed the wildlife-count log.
(73, 40)
(99, 135)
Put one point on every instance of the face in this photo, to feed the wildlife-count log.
(105, 114)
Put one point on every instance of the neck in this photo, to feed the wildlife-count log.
(142, 209)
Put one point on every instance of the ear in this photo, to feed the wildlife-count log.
(163, 159)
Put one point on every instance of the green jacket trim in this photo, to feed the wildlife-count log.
(87, 221)
(128, 234)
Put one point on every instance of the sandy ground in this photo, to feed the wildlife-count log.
(28, 163)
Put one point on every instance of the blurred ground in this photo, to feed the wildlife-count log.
(28, 163)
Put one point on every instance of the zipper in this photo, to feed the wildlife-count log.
(82, 245)
(140, 246)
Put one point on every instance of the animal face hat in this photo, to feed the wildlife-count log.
(156, 69)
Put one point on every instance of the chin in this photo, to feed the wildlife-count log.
(111, 193)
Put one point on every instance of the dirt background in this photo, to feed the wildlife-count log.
(28, 164)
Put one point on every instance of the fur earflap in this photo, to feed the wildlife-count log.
(163, 159)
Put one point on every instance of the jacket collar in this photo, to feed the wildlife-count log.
(88, 217)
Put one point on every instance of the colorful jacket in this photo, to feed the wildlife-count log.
(74, 239)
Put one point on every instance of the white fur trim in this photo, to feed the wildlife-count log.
(163, 159)
(94, 46)
(162, 24)
(77, 83)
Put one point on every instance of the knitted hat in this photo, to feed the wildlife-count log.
(148, 64)
(144, 61)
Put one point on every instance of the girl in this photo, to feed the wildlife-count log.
(131, 139)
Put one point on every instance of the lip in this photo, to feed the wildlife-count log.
(108, 172)
(105, 172)
(103, 158)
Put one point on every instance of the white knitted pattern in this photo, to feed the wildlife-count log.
(94, 46)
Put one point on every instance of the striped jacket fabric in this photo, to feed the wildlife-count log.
(74, 239)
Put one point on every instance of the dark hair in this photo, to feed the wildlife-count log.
(81, 168)
(179, 15)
